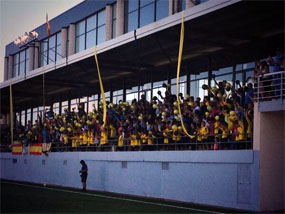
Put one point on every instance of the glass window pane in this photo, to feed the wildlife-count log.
(80, 28)
(44, 58)
(51, 55)
(147, 15)
(22, 56)
(161, 9)
(80, 43)
(114, 28)
(145, 2)
(27, 54)
(58, 51)
(114, 11)
(248, 76)
(58, 38)
(91, 23)
(183, 5)
(90, 39)
(133, 5)
(22, 68)
(132, 21)
(238, 77)
(16, 59)
(101, 34)
(101, 18)
(15, 70)
(27, 65)
(52, 41)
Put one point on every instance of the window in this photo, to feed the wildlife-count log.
(28, 115)
(196, 83)
(93, 103)
(23, 117)
(90, 31)
(50, 49)
(21, 63)
(114, 18)
(44, 53)
(35, 115)
(16, 65)
(117, 96)
(142, 12)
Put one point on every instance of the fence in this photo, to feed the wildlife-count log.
(270, 86)
(213, 143)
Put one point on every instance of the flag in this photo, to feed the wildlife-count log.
(17, 149)
(36, 149)
(48, 25)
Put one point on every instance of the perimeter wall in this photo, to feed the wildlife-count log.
(219, 178)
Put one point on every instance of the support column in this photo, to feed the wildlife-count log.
(63, 42)
(188, 81)
(120, 17)
(171, 7)
(190, 3)
(71, 36)
(31, 60)
(5, 68)
(10, 67)
(36, 55)
(210, 71)
(108, 34)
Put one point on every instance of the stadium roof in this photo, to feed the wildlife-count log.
(228, 32)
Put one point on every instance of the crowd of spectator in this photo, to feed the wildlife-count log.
(225, 115)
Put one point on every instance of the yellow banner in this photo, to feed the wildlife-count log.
(101, 88)
(178, 74)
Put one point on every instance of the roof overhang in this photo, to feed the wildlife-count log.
(227, 31)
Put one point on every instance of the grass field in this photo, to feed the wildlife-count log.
(19, 197)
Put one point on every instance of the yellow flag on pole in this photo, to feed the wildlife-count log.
(101, 87)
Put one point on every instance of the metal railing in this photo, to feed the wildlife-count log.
(213, 143)
(270, 86)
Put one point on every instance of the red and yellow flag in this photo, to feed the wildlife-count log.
(17, 149)
(36, 149)
(48, 25)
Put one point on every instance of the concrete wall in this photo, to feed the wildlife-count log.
(269, 140)
(219, 178)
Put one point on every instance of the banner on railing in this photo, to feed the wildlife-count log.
(17, 149)
(36, 149)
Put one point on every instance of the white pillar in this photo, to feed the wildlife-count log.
(31, 58)
(71, 37)
(5, 68)
(36, 55)
(189, 3)
(108, 34)
(120, 17)
(10, 67)
(63, 42)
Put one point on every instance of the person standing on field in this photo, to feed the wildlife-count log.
(84, 173)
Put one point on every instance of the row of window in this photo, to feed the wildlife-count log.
(91, 31)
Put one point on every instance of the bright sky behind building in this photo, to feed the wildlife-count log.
(20, 16)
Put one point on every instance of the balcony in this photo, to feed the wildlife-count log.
(270, 92)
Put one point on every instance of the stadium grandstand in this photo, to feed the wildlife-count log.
(109, 83)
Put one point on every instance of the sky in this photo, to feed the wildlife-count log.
(20, 16)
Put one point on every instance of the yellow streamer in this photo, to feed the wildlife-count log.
(101, 88)
(178, 73)
(11, 115)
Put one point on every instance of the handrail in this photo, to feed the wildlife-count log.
(269, 86)
(184, 144)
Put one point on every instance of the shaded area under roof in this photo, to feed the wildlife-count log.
(242, 32)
